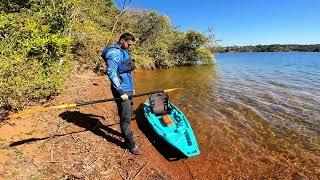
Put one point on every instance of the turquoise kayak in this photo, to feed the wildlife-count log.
(174, 128)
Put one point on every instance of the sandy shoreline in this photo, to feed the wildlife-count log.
(82, 143)
(85, 143)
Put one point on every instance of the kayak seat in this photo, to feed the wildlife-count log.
(167, 120)
(159, 103)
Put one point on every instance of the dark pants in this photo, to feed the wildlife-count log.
(125, 112)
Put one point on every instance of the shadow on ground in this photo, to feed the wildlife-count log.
(89, 122)
(92, 123)
(165, 149)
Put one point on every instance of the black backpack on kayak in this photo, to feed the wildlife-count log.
(159, 103)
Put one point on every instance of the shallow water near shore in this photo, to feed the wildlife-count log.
(254, 114)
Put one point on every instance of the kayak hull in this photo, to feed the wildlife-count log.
(179, 134)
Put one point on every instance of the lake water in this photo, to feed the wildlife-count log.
(254, 114)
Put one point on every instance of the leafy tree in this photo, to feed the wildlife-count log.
(42, 40)
(190, 49)
(34, 53)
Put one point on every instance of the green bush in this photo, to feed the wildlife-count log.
(39, 39)
(34, 57)
(161, 45)
(23, 81)
(190, 49)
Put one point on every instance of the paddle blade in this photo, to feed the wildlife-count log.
(14, 116)
(173, 89)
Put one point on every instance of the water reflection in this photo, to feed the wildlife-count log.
(198, 83)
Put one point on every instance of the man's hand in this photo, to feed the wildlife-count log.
(124, 97)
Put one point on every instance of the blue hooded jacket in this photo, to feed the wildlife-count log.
(114, 57)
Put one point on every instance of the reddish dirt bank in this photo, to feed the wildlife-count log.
(82, 143)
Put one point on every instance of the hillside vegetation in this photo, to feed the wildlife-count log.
(42, 41)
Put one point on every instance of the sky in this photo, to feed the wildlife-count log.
(244, 22)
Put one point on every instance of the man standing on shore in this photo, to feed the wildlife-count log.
(119, 68)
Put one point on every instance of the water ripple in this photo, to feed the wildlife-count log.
(270, 102)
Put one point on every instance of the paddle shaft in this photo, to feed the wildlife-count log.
(72, 105)
(116, 99)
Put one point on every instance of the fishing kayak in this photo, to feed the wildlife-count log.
(173, 128)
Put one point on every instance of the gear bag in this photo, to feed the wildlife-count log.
(159, 103)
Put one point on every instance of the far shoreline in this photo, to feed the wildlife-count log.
(271, 48)
(236, 52)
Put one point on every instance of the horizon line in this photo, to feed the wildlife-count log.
(273, 44)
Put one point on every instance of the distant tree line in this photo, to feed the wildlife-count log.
(271, 48)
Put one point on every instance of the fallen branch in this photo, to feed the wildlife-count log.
(121, 175)
(140, 170)
(51, 156)
(124, 153)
